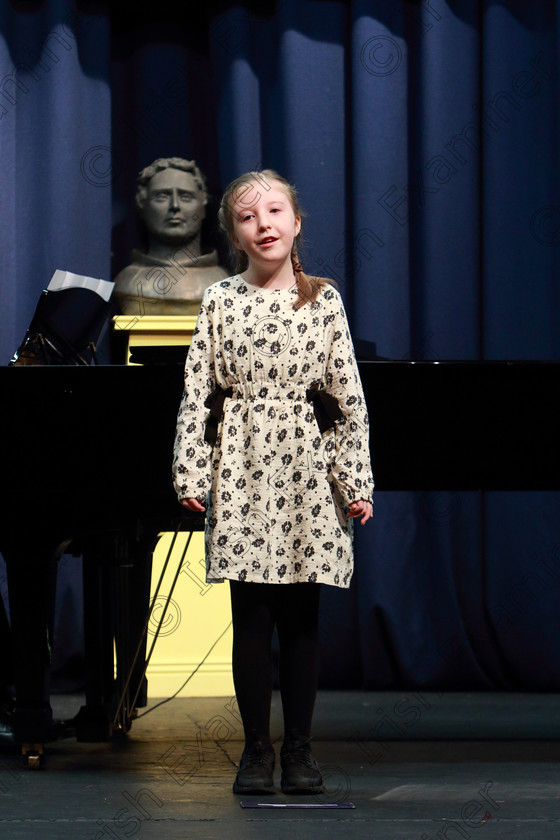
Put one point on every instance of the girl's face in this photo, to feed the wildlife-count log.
(264, 223)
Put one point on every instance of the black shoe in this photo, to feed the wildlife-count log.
(255, 770)
(300, 771)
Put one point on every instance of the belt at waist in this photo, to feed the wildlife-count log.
(268, 391)
(325, 406)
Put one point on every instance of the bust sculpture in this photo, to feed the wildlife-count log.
(171, 276)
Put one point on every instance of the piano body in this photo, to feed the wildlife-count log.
(86, 458)
(86, 454)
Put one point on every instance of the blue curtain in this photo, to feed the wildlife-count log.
(55, 107)
(423, 139)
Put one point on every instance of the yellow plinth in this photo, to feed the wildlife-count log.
(155, 330)
(195, 637)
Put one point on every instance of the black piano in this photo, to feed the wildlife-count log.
(86, 461)
(86, 454)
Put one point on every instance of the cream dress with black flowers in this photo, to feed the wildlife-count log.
(275, 488)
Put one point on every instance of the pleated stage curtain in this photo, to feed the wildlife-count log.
(423, 139)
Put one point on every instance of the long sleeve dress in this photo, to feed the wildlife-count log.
(276, 489)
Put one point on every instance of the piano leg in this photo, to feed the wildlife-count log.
(6, 676)
(32, 587)
(116, 575)
(132, 583)
(93, 721)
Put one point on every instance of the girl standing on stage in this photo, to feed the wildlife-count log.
(272, 442)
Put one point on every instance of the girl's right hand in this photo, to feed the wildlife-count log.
(194, 505)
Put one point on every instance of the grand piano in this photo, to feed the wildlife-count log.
(86, 459)
(86, 454)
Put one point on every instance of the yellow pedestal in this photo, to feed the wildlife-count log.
(158, 330)
(196, 635)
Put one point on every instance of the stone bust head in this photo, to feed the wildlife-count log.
(171, 198)
(171, 276)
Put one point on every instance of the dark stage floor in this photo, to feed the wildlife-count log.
(417, 766)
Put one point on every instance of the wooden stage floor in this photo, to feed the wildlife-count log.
(416, 766)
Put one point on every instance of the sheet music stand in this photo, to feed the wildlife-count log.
(65, 329)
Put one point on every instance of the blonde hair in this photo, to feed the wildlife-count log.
(308, 286)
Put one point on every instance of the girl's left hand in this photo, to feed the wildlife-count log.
(360, 508)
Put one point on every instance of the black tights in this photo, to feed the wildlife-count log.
(294, 609)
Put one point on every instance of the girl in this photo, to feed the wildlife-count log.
(272, 442)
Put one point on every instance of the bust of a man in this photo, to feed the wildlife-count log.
(171, 276)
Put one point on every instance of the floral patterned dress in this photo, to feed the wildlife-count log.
(276, 489)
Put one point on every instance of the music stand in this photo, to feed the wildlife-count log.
(68, 321)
